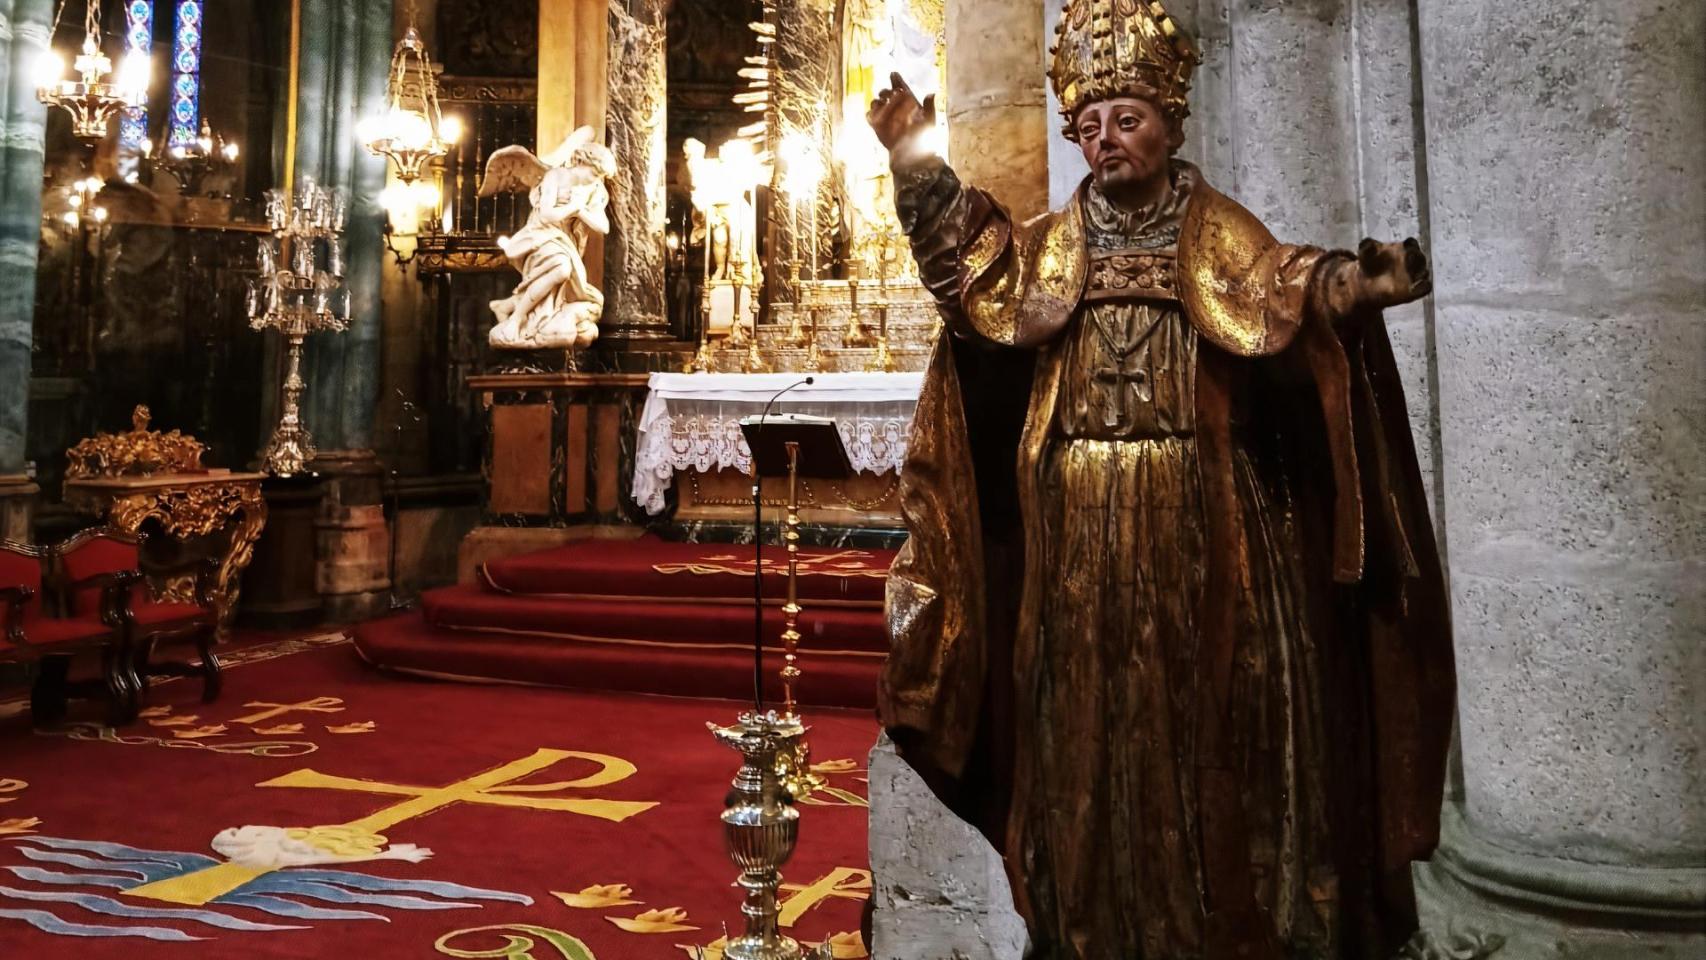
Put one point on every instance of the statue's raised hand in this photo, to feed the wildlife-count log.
(1389, 274)
(896, 114)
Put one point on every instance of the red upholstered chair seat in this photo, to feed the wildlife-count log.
(152, 613)
(18, 569)
(105, 567)
(29, 632)
(51, 631)
(93, 554)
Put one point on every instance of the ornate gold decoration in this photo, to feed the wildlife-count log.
(193, 506)
(1131, 273)
(141, 452)
(1114, 48)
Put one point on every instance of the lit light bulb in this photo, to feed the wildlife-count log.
(934, 141)
(75, 200)
(100, 214)
(424, 194)
(450, 129)
(370, 130)
(50, 69)
(133, 76)
(230, 151)
(71, 218)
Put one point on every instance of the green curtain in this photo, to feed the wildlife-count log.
(346, 54)
(24, 26)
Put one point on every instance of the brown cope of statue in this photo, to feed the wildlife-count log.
(1169, 625)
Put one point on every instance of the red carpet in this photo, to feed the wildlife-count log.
(124, 844)
(646, 616)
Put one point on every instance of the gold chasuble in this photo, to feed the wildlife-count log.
(1170, 625)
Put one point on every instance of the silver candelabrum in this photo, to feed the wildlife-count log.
(761, 825)
(297, 296)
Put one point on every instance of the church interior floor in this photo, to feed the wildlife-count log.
(321, 807)
(647, 616)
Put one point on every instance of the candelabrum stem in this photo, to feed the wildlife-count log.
(791, 610)
(291, 448)
(793, 763)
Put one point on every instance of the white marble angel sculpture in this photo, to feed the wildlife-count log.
(554, 306)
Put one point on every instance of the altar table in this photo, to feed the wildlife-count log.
(691, 426)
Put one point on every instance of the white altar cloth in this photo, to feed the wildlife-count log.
(691, 421)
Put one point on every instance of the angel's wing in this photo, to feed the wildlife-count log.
(513, 169)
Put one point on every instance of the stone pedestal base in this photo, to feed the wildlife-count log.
(352, 540)
(279, 586)
(939, 888)
(494, 543)
(17, 507)
(1535, 908)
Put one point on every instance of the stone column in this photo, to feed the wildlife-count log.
(346, 54)
(998, 120)
(24, 37)
(634, 119)
(345, 59)
(1568, 184)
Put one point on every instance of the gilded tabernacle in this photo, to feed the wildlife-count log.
(1223, 698)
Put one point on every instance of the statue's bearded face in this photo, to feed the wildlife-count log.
(1127, 141)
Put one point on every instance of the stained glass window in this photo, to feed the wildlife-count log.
(138, 42)
(186, 73)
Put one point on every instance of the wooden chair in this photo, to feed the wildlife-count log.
(95, 560)
(28, 634)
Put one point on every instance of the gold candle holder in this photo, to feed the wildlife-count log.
(701, 360)
(856, 335)
(793, 765)
(796, 335)
(760, 828)
(814, 353)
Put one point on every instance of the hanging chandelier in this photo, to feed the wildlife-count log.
(92, 99)
(190, 164)
(411, 133)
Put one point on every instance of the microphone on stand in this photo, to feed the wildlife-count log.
(758, 557)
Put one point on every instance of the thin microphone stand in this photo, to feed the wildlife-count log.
(758, 557)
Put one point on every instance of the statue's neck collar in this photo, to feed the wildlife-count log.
(1110, 226)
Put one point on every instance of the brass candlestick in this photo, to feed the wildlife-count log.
(701, 361)
(883, 360)
(793, 766)
(814, 353)
(796, 335)
(856, 334)
(760, 827)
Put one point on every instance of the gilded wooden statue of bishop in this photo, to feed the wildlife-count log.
(1170, 624)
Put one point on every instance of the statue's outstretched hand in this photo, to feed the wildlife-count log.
(1390, 274)
(896, 114)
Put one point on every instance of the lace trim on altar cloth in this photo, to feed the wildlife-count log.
(707, 441)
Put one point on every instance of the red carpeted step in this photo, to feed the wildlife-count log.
(650, 568)
(657, 622)
(409, 644)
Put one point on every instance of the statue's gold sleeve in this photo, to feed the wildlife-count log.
(1009, 284)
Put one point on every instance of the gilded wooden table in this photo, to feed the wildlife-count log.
(186, 505)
